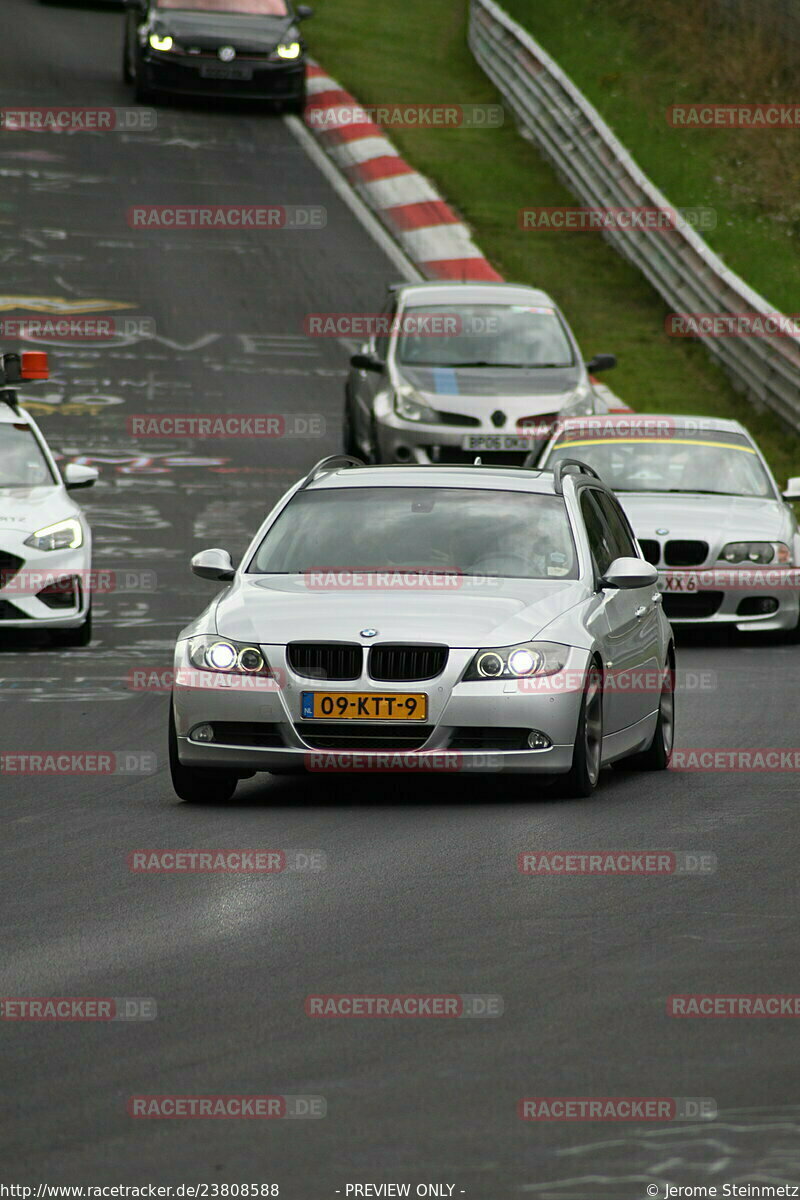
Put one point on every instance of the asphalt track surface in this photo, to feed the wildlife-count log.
(421, 893)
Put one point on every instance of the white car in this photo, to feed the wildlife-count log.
(45, 541)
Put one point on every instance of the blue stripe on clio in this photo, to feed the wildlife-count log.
(445, 381)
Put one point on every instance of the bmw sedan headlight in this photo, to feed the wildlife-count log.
(64, 535)
(223, 656)
(411, 407)
(756, 552)
(518, 662)
(157, 42)
(288, 50)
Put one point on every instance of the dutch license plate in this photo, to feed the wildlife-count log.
(218, 71)
(688, 582)
(364, 706)
(497, 441)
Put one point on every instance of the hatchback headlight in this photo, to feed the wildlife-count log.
(288, 50)
(582, 404)
(64, 535)
(226, 657)
(411, 407)
(756, 552)
(518, 662)
(161, 43)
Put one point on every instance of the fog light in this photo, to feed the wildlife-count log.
(757, 606)
(203, 733)
(538, 741)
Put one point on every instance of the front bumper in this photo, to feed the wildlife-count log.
(727, 596)
(467, 727)
(181, 75)
(20, 605)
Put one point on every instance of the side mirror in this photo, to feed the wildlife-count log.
(630, 573)
(303, 12)
(601, 362)
(214, 564)
(367, 362)
(79, 477)
(792, 489)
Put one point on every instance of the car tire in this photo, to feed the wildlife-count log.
(658, 754)
(127, 73)
(82, 636)
(584, 774)
(349, 443)
(197, 785)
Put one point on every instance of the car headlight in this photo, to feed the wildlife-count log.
(225, 657)
(64, 535)
(582, 404)
(518, 662)
(289, 50)
(160, 43)
(411, 407)
(756, 552)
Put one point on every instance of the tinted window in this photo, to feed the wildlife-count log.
(623, 541)
(601, 542)
(469, 531)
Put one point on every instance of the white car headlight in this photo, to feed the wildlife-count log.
(582, 404)
(227, 657)
(411, 407)
(289, 50)
(161, 43)
(756, 552)
(518, 662)
(64, 535)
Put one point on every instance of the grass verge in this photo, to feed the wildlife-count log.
(417, 53)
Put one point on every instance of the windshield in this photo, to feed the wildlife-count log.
(491, 335)
(719, 464)
(22, 463)
(251, 8)
(460, 530)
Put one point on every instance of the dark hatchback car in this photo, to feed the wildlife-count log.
(241, 49)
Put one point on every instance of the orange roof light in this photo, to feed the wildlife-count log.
(34, 365)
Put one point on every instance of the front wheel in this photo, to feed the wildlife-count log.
(127, 73)
(583, 776)
(197, 785)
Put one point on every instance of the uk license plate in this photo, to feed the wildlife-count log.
(687, 581)
(219, 71)
(497, 441)
(364, 706)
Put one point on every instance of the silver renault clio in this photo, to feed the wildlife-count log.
(422, 619)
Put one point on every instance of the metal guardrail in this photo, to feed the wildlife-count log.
(600, 172)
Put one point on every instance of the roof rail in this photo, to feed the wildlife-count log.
(561, 467)
(327, 464)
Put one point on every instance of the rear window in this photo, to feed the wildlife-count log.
(253, 8)
(470, 532)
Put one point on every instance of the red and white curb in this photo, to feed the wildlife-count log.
(428, 231)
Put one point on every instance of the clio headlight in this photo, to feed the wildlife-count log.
(64, 535)
(227, 657)
(288, 50)
(582, 404)
(409, 405)
(518, 662)
(756, 552)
